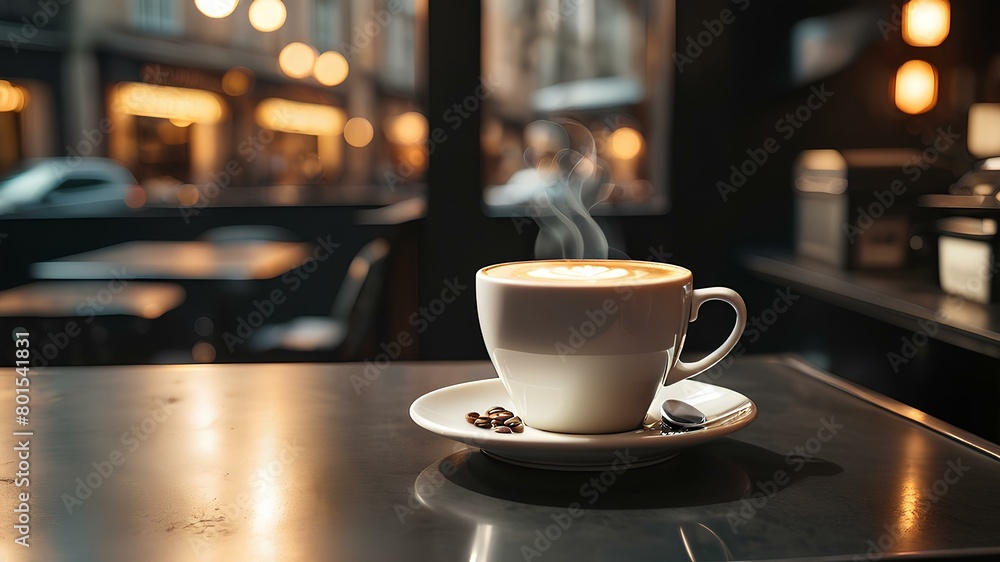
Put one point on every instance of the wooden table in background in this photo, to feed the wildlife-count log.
(66, 299)
(196, 260)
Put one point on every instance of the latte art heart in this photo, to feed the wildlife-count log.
(581, 273)
(586, 272)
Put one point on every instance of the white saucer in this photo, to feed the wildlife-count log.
(443, 412)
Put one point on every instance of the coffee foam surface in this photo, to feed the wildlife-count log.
(584, 272)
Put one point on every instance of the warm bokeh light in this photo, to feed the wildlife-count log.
(407, 128)
(187, 195)
(267, 15)
(312, 166)
(625, 143)
(358, 132)
(237, 80)
(12, 97)
(216, 8)
(915, 90)
(984, 129)
(297, 59)
(926, 22)
(167, 102)
(331, 68)
(135, 197)
(203, 352)
(299, 117)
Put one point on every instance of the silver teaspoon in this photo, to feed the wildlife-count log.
(682, 415)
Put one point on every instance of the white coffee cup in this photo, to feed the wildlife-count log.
(582, 345)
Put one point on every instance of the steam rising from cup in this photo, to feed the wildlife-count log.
(564, 155)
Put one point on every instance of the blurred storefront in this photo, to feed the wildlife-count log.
(270, 97)
(594, 66)
(31, 95)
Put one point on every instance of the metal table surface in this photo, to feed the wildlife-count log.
(319, 462)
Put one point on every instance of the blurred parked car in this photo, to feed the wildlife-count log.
(67, 186)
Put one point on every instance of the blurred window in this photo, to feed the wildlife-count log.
(328, 19)
(398, 52)
(156, 16)
(79, 184)
(584, 71)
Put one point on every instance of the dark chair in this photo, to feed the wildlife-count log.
(342, 332)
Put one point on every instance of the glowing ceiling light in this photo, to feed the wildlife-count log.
(625, 143)
(216, 8)
(298, 117)
(358, 132)
(267, 15)
(296, 60)
(331, 68)
(915, 89)
(407, 128)
(926, 22)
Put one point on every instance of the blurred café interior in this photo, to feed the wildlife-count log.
(223, 181)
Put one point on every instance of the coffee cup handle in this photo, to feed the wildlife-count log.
(682, 370)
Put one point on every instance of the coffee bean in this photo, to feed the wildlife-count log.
(500, 419)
